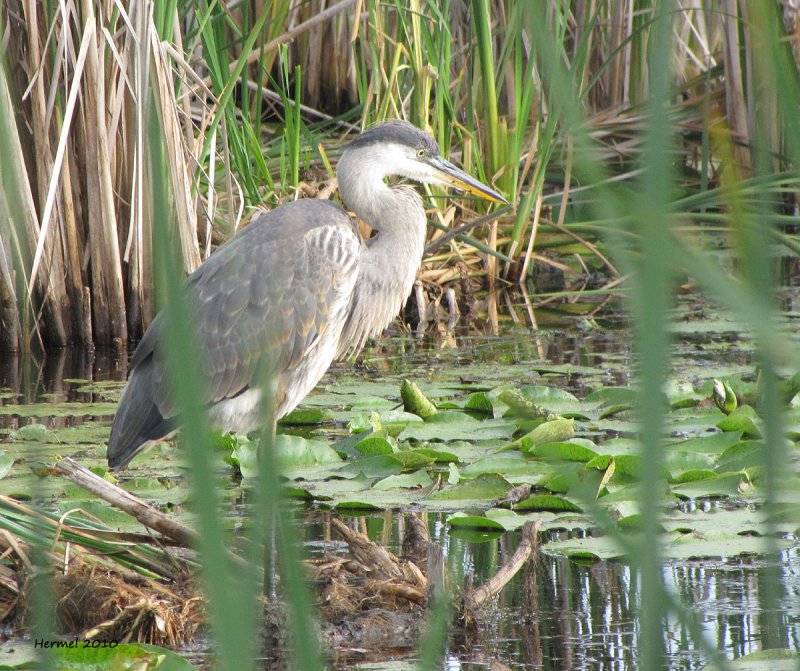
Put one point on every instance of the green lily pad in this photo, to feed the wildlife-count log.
(72, 655)
(715, 443)
(508, 518)
(438, 456)
(694, 475)
(562, 451)
(37, 433)
(448, 426)
(66, 409)
(586, 549)
(299, 452)
(302, 416)
(413, 480)
(744, 419)
(726, 484)
(479, 402)
(378, 466)
(463, 521)
(624, 464)
(375, 443)
(547, 502)
(745, 454)
(357, 507)
(486, 488)
(412, 459)
(773, 659)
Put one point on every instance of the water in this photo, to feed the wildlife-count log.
(556, 614)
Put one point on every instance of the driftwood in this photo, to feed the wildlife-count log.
(368, 600)
(475, 598)
(119, 498)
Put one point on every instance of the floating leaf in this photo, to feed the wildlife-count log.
(479, 402)
(711, 444)
(485, 488)
(743, 455)
(726, 484)
(67, 409)
(450, 426)
(744, 419)
(716, 545)
(412, 459)
(73, 655)
(563, 451)
(34, 433)
(773, 659)
(462, 521)
(303, 416)
(394, 421)
(438, 456)
(520, 405)
(613, 399)
(356, 506)
(694, 476)
(298, 452)
(413, 480)
(508, 518)
(627, 464)
(587, 549)
(553, 431)
(548, 502)
(415, 401)
(509, 464)
(378, 466)
(375, 443)
(365, 421)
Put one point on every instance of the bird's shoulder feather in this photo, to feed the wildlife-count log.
(271, 291)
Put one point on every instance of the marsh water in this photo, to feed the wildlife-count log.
(556, 613)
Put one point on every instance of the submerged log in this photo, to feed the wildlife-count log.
(127, 502)
(370, 599)
(476, 598)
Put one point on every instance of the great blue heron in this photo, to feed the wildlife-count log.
(299, 287)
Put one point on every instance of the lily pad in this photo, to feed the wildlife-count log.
(405, 481)
(447, 426)
(485, 488)
(302, 416)
(562, 451)
(375, 443)
(549, 503)
(462, 521)
(744, 419)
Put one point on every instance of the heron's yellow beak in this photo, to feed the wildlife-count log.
(450, 174)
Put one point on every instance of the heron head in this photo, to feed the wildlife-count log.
(399, 148)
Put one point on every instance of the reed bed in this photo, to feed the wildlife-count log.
(140, 136)
(250, 97)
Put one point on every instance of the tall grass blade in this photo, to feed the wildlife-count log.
(651, 303)
(231, 594)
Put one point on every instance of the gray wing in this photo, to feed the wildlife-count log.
(270, 291)
(273, 292)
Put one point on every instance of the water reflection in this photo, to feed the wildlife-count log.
(556, 614)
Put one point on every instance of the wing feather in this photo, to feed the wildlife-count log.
(274, 289)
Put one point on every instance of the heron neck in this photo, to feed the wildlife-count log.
(390, 263)
(391, 259)
(395, 252)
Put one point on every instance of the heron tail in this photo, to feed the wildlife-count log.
(138, 421)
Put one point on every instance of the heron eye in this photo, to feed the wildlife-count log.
(420, 153)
